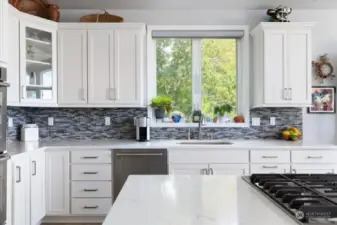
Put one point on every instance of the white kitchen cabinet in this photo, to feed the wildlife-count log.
(101, 67)
(20, 199)
(13, 69)
(37, 187)
(38, 63)
(109, 66)
(269, 168)
(229, 169)
(188, 169)
(129, 66)
(72, 67)
(282, 65)
(3, 32)
(57, 183)
(313, 168)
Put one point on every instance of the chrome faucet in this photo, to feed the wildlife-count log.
(201, 122)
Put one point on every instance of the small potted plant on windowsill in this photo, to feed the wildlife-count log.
(220, 112)
(161, 104)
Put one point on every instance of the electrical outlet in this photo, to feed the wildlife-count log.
(256, 121)
(50, 121)
(10, 122)
(107, 121)
(272, 121)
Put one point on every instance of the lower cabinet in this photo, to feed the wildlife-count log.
(27, 189)
(313, 168)
(209, 169)
(57, 183)
(188, 169)
(269, 168)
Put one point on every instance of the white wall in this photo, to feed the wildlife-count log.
(317, 128)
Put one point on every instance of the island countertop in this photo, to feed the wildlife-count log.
(193, 200)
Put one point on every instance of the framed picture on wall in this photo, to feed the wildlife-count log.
(323, 99)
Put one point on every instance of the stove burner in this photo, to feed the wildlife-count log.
(309, 198)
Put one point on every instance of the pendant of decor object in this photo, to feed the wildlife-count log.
(323, 68)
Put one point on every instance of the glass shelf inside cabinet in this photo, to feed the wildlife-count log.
(39, 70)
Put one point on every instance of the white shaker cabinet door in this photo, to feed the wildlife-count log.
(37, 186)
(188, 169)
(57, 183)
(128, 67)
(299, 67)
(313, 168)
(274, 67)
(101, 67)
(72, 67)
(3, 32)
(20, 213)
(229, 169)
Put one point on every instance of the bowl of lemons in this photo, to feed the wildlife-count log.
(291, 134)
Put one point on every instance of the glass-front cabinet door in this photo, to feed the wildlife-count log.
(38, 64)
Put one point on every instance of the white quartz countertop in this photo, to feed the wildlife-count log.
(17, 147)
(193, 200)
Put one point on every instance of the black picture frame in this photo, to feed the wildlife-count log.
(317, 94)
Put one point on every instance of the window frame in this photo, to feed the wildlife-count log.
(243, 72)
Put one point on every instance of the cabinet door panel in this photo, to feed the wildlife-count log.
(269, 168)
(188, 169)
(72, 64)
(128, 68)
(57, 183)
(313, 168)
(229, 169)
(101, 66)
(274, 67)
(299, 67)
(13, 70)
(20, 200)
(37, 184)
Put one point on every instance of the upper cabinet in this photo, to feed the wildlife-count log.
(109, 68)
(282, 65)
(38, 63)
(32, 63)
(3, 32)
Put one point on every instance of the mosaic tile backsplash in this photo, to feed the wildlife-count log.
(88, 123)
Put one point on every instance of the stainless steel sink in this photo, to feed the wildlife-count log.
(205, 142)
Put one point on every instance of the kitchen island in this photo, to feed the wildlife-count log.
(193, 200)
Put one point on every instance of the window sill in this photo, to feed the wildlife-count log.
(238, 125)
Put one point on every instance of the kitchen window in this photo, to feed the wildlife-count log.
(199, 68)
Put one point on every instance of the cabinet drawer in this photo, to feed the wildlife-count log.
(319, 156)
(91, 172)
(274, 156)
(91, 206)
(92, 189)
(269, 168)
(209, 156)
(313, 168)
(92, 156)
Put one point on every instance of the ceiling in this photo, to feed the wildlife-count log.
(194, 4)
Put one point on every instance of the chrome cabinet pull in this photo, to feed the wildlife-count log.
(285, 94)
(90, 190)
(90, 172)
(91, 207)
(315, 157)
(139, 154)
(290, 93)
(294, 170)
(19, 176)
(23, 92)
(34, 168)
(270, 157)
(203, 171)
(82, 93)
(90, 157)
(270, 167)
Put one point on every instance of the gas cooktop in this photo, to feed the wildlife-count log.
(307, 198)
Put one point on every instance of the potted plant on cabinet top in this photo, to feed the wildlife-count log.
(161, 104)
(220, 112)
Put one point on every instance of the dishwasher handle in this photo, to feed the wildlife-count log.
(139, 154)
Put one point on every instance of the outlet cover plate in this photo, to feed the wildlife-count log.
(50, 121)
(107, 121)
(272, 121)
(256, 121)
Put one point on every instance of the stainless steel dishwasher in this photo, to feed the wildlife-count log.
(136, 161)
